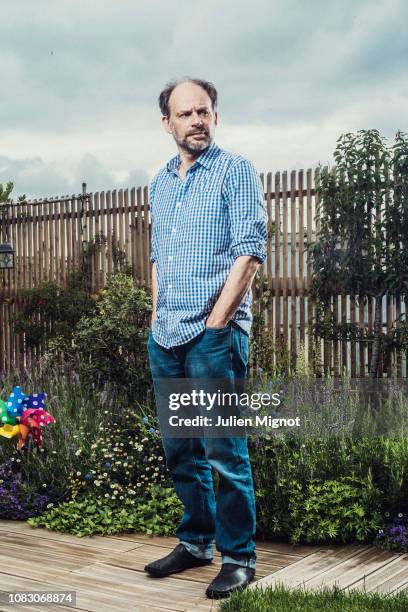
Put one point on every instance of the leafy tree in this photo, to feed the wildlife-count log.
(362, 247)
(5, 191)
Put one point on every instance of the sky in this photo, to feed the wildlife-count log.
(80, 81)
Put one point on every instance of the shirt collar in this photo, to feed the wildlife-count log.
(206, 159)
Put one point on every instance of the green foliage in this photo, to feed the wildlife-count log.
(330, 489)
(156, 514)
(362, 249)
(51, 311)
(5, 192)
(282, 599)
(343, 510)
(109, 344)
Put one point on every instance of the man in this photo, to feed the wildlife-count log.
(209, 233)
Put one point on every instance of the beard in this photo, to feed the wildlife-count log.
(190, 145)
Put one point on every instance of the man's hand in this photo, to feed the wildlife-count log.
(236, 286)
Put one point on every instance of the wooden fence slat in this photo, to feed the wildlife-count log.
(278, 273)
(285, 279)
(293, 275)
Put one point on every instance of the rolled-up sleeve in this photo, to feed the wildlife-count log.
(247, 209)
(153, 244)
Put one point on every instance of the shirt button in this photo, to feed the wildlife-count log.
(174, 230)
(178, 204)
(169, 286)
(170, 257)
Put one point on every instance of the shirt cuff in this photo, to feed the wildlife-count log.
(250, 248)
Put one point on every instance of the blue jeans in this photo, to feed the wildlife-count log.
(231, 517)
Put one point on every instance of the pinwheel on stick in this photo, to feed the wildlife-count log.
(23, 416)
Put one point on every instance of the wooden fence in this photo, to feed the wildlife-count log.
(50, 237)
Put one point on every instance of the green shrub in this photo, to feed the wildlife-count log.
(156, 514)
(333, 489)
(52, 311)
(110, 344)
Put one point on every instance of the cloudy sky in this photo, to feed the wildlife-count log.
(80, 80)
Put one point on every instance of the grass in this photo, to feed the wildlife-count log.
(281, 599)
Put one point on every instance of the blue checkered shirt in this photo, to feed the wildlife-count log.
(199, 227)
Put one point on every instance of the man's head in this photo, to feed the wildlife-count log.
(189, 113)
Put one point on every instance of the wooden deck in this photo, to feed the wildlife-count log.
(107, 571)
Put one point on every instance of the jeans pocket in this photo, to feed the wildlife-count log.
(218, 329)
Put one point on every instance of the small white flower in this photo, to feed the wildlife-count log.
(78, 473)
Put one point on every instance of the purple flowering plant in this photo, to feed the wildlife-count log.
(18, 499)
(394, 535)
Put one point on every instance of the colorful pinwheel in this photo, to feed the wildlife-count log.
(23, 416)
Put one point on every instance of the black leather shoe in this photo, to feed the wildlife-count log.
(177, 561)
(230, 578)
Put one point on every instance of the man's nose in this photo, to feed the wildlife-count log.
(197, 120)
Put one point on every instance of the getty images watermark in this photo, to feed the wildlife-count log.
(310, 408)
(217, 408)
(224, 400)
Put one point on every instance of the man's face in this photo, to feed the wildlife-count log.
(192, 120)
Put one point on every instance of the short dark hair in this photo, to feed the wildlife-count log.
(171, 85)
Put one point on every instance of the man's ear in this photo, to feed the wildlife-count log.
(216, 118)
(166, 124)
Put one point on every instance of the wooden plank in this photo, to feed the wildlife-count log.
(269, 256)
(306, 569)
(317, 341)
(293, 292)
(277, 235)
(285, 290)
(120, 216)
(139, 231)
(99, 246)
(309, 223)
(104, 230)
(353, 368)
(91, 597)
(146, 238)
(361, 316)
(115, 235)
(127, 239)
(133, 234)
(301, 252)
(398, 356)
(387, 579)
(351, 570)
(97, 542)
(13, 276)
(109, 233)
